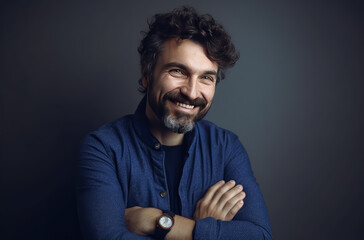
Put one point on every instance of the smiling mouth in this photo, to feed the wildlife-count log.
(185, 105)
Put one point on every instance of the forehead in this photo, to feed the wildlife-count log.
(188, 53)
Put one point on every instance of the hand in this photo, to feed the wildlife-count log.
(222, 201)
(140, 220)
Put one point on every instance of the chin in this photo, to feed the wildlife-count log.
(179, 125)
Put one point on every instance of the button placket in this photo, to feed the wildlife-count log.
(158, 158)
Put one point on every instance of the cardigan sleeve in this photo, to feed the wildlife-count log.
(252, 221)
(100, 196)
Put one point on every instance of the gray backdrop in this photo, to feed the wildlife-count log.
(295, 100)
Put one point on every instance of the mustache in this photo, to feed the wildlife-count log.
(179, 97)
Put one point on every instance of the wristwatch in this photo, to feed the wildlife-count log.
(164, 225)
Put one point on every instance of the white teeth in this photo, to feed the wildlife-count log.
(185, 105)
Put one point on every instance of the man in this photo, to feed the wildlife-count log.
(162, 173)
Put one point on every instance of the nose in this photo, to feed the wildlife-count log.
(190, 88)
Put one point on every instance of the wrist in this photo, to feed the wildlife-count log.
(152, 215)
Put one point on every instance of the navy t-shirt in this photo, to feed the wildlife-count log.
(173, 162)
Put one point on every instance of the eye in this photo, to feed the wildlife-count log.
(175, 72)
(208, 78)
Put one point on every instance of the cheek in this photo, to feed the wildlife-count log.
(166, 83)
(209, 95)
(170, 83)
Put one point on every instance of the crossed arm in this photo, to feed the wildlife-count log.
(222, 201)
(102, 200)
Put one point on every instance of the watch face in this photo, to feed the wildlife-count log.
(165, 222)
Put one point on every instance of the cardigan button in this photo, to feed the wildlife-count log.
(157, 146)
(163, 194)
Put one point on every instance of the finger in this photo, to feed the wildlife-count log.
(229, 199)
(211, 191)
(231, 203)
(221, 192)
(225, 193)
(234, 210)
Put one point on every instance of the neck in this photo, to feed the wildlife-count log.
(164, 135)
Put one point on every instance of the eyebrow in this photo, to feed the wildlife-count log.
(184, 67)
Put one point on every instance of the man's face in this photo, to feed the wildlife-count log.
(183, 85)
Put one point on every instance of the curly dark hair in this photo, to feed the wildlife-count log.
(186, 23)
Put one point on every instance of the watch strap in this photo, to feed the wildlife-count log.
(169, 213)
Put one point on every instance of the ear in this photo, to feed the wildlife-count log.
(145, 82)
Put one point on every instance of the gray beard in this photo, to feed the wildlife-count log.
(180, 125)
